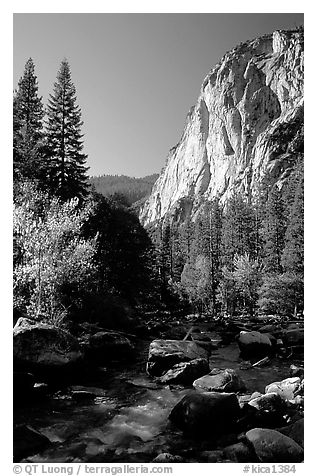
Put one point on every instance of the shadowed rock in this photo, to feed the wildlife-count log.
(204, 413)
(271, 446)
(185, 372)
(164, 354)
(220, 381)
(40, 346)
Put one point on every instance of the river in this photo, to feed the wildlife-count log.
(127, 420)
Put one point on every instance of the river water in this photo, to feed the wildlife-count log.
(127, 421)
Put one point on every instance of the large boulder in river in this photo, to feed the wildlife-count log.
(254, 344)
(287, 388)
(293, 337)
(271, 446)
(202, 413)
(185, 373)
(103, 346)
(273, 329)
(219, 380)
(271, 409)
(295, 431)
(164, 354)
(40, 346)
(27, 441)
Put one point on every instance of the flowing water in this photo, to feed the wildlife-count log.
(127, 421)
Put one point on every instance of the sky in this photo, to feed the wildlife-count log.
(136, 75)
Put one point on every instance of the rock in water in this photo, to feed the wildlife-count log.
(271, 446)
(204, 413)
(27, 441)
(295, 431)
(293, 337)
(44, 347)
(240, 453)
(254, 344)
(220, 381)
(168, 458)
(164, 354)
(104, 346)
(250, 106)
(287, 388)
(185, 373)
(270, 409)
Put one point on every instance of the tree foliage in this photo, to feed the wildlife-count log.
(53, 265)
(28, 113)
(66, 162)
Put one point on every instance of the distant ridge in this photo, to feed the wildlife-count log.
(131, 188)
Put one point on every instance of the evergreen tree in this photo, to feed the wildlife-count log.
(293, 253)
(239, 230)
(66, 162)
(273, 231)
(27, 126)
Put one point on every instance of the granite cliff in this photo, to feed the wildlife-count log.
(247, 124)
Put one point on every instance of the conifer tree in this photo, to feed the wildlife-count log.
(239, 230)
(66, 162)
(28, 115)
(293, 253)
(273, 231)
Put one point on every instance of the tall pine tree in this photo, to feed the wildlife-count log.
(28, 115)
(273, 231)
(66, 163)
(293, 253)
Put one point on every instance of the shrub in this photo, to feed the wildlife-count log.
(53, 263)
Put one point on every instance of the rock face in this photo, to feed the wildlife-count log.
(39, 346)
(185, 373)
(164, 354)
(271, 446)
(249, 100)
(206, 412)
(220, 381)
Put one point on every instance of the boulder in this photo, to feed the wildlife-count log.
(168, 458)
(185, 373)
(271, 446)
(204, 413)
(219, 380)
(293, 337)
(271, 409)
(104, 346)
(287, 388)
(296, 371)
(240, 453)
(215, 456)
(27, 441)
(254, 344)
(42, 346)
(270, 402)
(164, 354)
(273, 329)
(295, 431)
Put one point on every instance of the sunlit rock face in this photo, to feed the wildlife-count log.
(230, 138)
